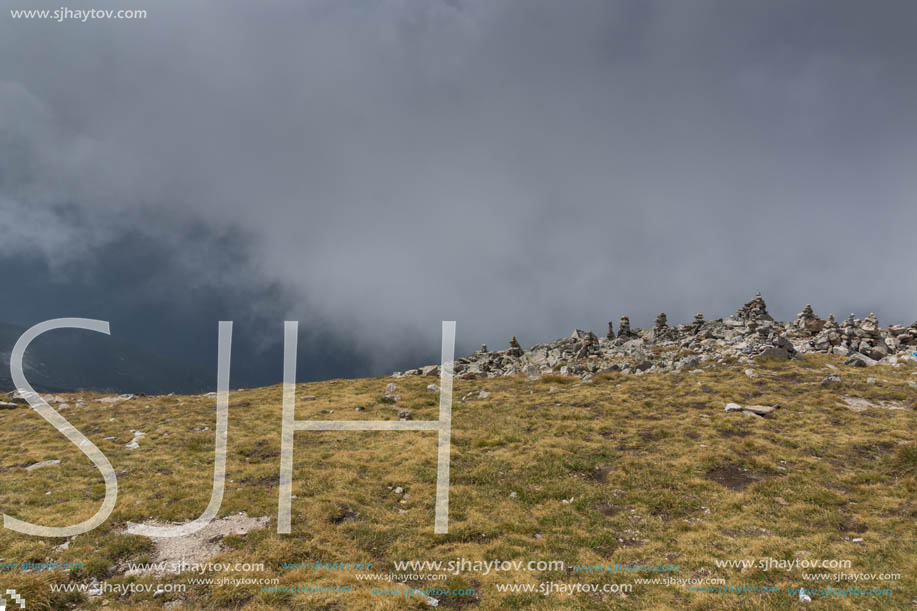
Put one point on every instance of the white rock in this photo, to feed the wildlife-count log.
(39, 465)
(117, 399)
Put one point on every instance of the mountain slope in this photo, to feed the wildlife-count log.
(624, 470)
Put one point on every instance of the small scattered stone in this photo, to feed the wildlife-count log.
(832, 380)
(117, 399)
(21, 396)
(762, 410)
(39, 465)
(133, 445)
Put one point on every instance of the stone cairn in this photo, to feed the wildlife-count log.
(661, 327)
(808, 322)
(755, 309)
(624, 327)
(514, 348)
(588, 341)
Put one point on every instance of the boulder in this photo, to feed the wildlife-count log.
(22, 396)
(860, 360)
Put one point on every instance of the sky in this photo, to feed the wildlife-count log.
(521, 167)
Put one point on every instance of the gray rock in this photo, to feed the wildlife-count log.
(39, 465)
(832, 380)
(773, 352)
(22, 396)
(860, 360)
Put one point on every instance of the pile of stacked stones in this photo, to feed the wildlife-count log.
(751, 333)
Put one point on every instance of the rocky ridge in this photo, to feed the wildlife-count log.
(751, 333)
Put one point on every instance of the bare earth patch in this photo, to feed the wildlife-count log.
(198, 547)
(735, 478)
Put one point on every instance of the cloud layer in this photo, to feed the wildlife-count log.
(520, 167)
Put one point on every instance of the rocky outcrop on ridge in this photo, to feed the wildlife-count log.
(751, 333)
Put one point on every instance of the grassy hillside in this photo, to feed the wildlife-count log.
(630, 470)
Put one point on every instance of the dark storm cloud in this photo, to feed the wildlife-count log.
(520, 167)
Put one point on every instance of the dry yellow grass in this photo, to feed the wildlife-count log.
(658, 474)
